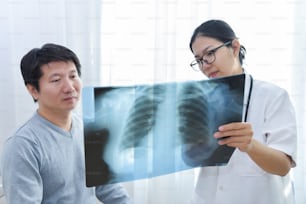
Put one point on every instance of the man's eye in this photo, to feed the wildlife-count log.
(73, 76)
(55, 80)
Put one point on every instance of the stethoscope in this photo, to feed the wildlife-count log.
(249, 99)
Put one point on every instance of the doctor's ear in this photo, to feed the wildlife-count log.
(33, 91)
(236, 47)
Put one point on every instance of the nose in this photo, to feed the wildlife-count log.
(68, 85)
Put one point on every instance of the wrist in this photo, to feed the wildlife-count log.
(250, 146)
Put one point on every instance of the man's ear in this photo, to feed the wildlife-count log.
(33, 91)
(236, 47)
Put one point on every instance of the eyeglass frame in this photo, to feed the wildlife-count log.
(200, 62)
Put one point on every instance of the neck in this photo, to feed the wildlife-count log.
(60, 119)
(240, 70)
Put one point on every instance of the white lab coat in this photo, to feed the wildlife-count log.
(242, 181)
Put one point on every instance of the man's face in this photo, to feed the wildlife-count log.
(60, 87)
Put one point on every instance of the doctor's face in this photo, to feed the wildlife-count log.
(226, 57)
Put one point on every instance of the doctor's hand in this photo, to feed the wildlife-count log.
(237, 134)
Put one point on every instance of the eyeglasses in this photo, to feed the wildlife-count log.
(207, 58)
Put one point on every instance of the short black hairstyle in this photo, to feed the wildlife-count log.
(220, 30)
(32, 62)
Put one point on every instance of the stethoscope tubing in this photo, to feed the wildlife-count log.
(249, 99)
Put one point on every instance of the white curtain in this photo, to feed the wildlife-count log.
(144, 41)
(25, 25)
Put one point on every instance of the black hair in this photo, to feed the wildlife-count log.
(219, 30)
(32, 62)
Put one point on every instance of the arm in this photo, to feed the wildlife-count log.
(20, 172)
(271, 160)
(112, 194)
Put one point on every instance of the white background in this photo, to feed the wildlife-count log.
(145, 41)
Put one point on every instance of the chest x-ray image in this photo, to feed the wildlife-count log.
(148, 130)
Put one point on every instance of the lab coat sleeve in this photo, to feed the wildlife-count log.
(280, 129)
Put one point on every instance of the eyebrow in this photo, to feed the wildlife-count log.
(74, 71)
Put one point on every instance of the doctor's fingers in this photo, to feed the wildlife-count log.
(241, 142)
(234, 133)
(235, 126)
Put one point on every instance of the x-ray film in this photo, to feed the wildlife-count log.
(143, 131)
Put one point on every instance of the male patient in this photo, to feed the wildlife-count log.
(43, 162)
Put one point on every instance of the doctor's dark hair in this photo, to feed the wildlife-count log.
(218, 30)
(32, 62)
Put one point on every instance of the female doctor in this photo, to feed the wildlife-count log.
(265, 142)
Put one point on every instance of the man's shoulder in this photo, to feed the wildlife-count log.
(28, 129)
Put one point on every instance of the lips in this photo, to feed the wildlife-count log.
(213, 74)
(70, 98)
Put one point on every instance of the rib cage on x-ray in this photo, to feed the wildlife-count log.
(193, 114)
(141, 117)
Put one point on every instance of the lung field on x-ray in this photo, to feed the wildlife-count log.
(192, 113)
(142, 115)
(194, 122)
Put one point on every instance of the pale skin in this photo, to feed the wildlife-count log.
(59, 92)
(238, 134)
